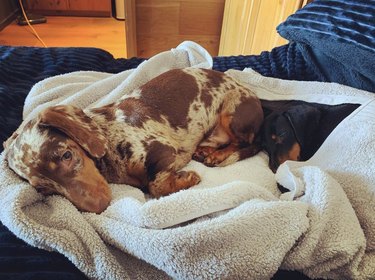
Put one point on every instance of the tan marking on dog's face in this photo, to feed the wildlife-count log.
(54, 163)
(293, 154)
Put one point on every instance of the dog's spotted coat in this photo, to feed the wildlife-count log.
(142, 140)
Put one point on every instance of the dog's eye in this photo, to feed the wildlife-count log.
(67, 155)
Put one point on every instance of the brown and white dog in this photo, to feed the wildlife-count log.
(142, 140)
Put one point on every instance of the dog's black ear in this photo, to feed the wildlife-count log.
(304, 120)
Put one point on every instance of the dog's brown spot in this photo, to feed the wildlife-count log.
(171, 93)
(30, 125)
(249, 151)
(215, 78)
(109, 170)
(219, 109)
(137, 175)
(247, 119)
(206, 97)
(136, 112)
(159, 157)
(106, 111)
(124, 149)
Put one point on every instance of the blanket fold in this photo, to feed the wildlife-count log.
(235, 224)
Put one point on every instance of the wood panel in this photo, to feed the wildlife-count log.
(163, 24)
(130, 29)
(249, 26)
(239, 22)
(70, 7)
(271, 14)
(201, 18)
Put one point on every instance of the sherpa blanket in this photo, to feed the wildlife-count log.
(233, 225)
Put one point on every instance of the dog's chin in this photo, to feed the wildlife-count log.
(94, 204)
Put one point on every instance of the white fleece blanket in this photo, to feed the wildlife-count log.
(234, 224)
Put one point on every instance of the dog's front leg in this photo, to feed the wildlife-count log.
(167, 182)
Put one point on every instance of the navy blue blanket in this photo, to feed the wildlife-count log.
(339, 36)
(21, 68)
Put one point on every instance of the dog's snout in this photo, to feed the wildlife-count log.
(273, 164)
(96, 204)
(90, 196)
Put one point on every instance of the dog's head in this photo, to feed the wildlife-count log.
(287, 135)
(54, 154)
(279, 140)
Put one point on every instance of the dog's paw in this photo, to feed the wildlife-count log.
(188, 178)
(201, 153)
(217, 157)
(212, 160)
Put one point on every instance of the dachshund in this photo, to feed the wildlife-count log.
(294, 130)
(143, 139)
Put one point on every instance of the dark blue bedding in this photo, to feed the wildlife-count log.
(340, 37)
(22, 67)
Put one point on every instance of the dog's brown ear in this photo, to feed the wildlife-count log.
(77, 125)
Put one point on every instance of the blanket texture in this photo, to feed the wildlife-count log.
(233, 225)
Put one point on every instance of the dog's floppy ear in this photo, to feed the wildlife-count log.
(304, 120)
(78, 126)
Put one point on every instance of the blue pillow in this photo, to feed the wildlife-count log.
(339, 35)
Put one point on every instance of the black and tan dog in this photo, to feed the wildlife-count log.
(294, 130)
